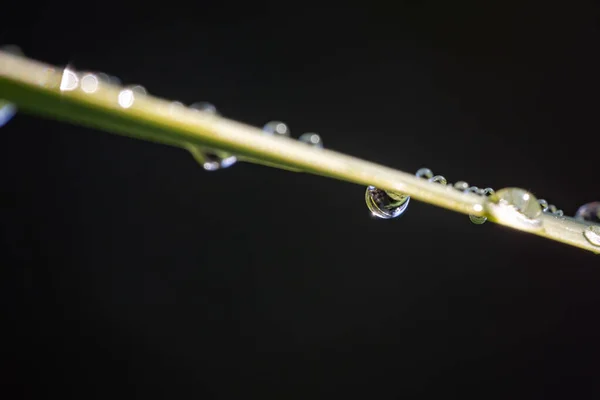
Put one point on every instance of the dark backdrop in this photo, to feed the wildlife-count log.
(131, 272)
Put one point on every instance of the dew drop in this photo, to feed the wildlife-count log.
(311, 138)
(212, 160)
(461, 185)
(589, 212)
(477, 220)
(592, 234)
(385, 205)
(277, 128)
(89, 83)
(209, 159)
(7, 112)
(544, 205)
(488, 191)
(520, 200)
(424, 173)
(69, 80)
(204, 107)
(438, 179)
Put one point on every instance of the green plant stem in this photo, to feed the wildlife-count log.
(36, 88)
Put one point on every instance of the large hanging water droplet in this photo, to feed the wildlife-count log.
(277, 128)
(589, 212)
(592, 234)
(385, 205)
(519, 207)
(311, 138)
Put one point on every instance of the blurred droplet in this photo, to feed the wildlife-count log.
(311, 138)
(589, 212)
(439, 179)
(385, 205)
(89, 83)
(212, 161)
(204, 107)
(461, 185)
(477, 220)
(7, 112)
(592, 234)
(424, 173)
(69, 80)
(126, 98)
(277, 128)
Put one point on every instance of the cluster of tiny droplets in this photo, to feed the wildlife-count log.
(385, 209)
(550, 208)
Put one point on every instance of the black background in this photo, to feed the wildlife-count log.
(129, 271)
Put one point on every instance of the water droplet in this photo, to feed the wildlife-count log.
(523, 202)
(277, 128)
(212, 160)
(205, 107)
(69, 80)
(488, 191)
(477, 220)
(89, 83)
(424, 173)
(385, 205)
(311, 138)
(589, 212)
(7, 112)
(592, 234)
(439, 179)
(543, 204)
(461, 185)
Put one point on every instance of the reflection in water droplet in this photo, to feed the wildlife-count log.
(424, 173)
(521, 200)
(592, 234)
(385, 205)
(204, 107)
(277, 128)
(7, 111)
(311, 138)
(589, 212)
